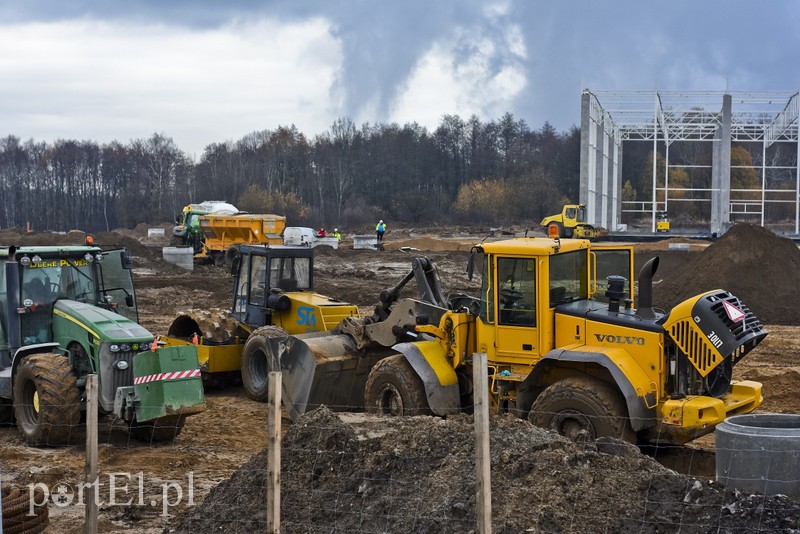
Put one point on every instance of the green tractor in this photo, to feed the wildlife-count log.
(67, 312)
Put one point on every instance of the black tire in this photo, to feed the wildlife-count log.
(158, 430)
(581, 404)
(230, 256)
(258, 360)
(47, 404)
(394, 388)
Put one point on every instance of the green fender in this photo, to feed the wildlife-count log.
(429, 360)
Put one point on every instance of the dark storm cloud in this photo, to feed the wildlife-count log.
(620, 45)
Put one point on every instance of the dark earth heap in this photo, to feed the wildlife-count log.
(759, 267)
(417, 474)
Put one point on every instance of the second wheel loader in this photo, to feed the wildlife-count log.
(565, 346)
(272, 296)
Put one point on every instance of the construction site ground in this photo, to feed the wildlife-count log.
(553, 495)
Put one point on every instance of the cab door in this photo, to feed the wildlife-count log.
(117, 282)
(516, 318)
(607, 261)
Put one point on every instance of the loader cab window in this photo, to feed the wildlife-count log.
(242, 284)
(258, 280)
(571, 213)
(486, 268)
(290, 274)
(516, 292)
(569, 277)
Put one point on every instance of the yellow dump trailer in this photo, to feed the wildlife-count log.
(224, 234)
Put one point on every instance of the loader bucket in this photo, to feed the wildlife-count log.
(326, 370)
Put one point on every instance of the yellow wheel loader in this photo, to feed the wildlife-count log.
(566, 348)
(273, 296)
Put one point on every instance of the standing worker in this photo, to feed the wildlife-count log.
(380, 229)
(336, 234)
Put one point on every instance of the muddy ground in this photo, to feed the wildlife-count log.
(233, 428)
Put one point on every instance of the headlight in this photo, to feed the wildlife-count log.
(88, 257)
(98, 258)
(121, 365)
(125, 347)
(25, 260)
(114, 348)
(36, 259)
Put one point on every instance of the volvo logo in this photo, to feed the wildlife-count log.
(622, 340)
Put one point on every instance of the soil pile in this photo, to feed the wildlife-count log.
(418, 475)
(751, 262)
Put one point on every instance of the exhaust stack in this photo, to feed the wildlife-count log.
(645, 309)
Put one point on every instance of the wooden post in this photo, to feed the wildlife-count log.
(90, 491)
(274, 454)
(483, 475)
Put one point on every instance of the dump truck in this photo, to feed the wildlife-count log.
(186, 231)
(273, 296)
(69, 311)
(565, 346)
(224, 234)
(571, 223)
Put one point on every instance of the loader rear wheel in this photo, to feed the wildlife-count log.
(47, 402)
(394, 388)
(258, 359)
(582, 406)
(161, 429)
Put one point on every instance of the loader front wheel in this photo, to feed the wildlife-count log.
(582, 407)
(258, 359)
(394, 388)
(47, 402)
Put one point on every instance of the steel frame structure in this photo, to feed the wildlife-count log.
(609, 118)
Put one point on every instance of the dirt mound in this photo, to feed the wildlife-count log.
(18, 237)
(751, 262)
(427, 243)
(365, 474)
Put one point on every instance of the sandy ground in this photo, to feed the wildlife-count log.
(233, 428)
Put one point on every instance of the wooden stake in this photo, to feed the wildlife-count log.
(91, 490)
(483, 475)
(274, 454)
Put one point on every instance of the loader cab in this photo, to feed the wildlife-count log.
(264, 275)
(525, 281)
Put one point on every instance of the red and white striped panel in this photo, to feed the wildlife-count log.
(174, 375)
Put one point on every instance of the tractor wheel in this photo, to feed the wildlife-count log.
(258, 360)
(394, 388)
(583, 406)
(47, 402)
(162, 429)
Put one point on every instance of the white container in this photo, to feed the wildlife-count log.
(365, 242)
(180, 256)
(155, 232)
(679, 246)
(326, 241)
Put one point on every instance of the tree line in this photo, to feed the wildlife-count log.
(496, 172)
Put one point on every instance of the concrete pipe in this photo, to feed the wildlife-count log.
(760, 452)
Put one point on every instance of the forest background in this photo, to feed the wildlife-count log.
(499, 172)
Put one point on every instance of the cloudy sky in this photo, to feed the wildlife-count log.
(204, 71)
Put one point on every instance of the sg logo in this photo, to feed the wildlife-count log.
(306, 317)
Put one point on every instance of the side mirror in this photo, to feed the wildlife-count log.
(236, 265)
(127, 260)
(129, 301)
(471, 264)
